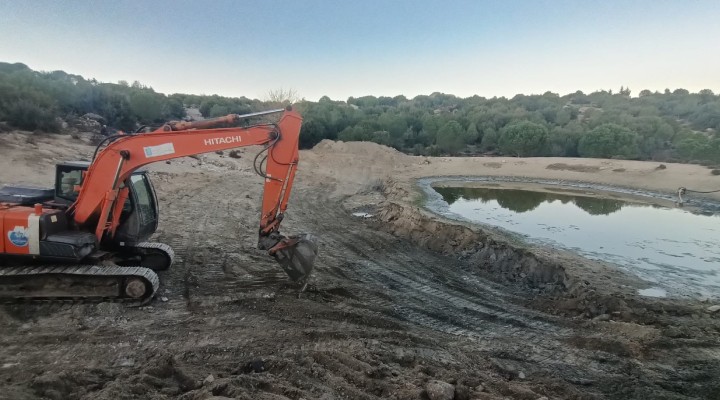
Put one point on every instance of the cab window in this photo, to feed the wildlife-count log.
(67, 180)
(145, 202)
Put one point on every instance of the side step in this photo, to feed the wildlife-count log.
(135, 285)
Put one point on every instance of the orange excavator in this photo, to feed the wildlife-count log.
(87, 237)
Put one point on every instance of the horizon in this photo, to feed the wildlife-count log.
(320, 48)
(633, 94)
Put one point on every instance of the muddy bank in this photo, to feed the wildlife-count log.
(554, 280)
(382, 177)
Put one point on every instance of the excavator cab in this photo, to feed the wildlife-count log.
(139, 218)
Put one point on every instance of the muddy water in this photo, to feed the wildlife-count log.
(676, 251)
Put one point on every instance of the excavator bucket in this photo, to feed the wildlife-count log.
(296, 255)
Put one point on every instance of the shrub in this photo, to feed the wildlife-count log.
(29, 116)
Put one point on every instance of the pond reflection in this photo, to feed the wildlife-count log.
(670, 247)
(521, 201)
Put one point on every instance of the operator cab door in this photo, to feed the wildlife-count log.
(139, 218)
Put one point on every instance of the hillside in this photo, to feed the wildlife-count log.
(669, 126)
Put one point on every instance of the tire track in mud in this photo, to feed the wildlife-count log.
(375, 303)
(211, 259)
(188, 220)
(380, 286)
(409, 292)
(397, 280)
(410, 273)
(106, 328)
(416, 300)
(437, 306)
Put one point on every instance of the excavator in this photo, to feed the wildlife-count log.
(86, 238)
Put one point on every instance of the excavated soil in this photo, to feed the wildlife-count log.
(402, 305)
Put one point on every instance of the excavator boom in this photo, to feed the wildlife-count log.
(127, 153)
(98, 195)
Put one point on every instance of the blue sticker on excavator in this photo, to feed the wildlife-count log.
(18, 236)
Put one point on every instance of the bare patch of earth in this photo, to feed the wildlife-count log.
(574, 167)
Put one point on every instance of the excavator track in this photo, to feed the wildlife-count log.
(152, 255)
(83, 283)
(156, 256)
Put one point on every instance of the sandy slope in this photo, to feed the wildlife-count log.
(370, 161)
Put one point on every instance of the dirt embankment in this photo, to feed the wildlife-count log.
(560, 281)
(402, 305)
(556, 280)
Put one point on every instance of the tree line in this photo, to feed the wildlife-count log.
(33, 100)
(666, 126)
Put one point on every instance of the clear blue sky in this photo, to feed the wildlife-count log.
(371, 47)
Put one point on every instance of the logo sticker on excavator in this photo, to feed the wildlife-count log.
(18, 236)
(159, 150)
(223, 140)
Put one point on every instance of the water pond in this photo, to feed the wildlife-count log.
(676, 250)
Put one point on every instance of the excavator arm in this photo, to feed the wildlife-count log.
(101, 193)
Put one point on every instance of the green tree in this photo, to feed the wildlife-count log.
(654, 135)
(471, 135)
(27, 115)
(218, 110)
(394, 124)
(698, 147)
(173, 109)
(523, 139)
(451, 137)
(564, 115)
(311, 133)
(490, 139)
(609, 140)
(146, 106)
(563, 141)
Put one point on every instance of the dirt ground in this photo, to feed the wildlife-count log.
(402, 305)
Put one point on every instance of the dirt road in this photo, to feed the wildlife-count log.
(402, 305)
